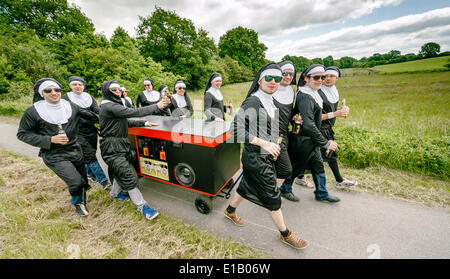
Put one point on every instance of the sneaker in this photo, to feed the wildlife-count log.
(290, 196)
(346, 183)
(149, 212)
(122, 197)
(92, 179)
(294, 241)
(81, 209)
(105, 185)
(303, 182)
(330, 199)
(234, 218)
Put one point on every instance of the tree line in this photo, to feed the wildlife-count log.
(52, 38)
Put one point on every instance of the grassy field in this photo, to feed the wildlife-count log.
(422, 65)
(38, 222)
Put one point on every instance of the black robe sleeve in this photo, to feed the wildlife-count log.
(207, 104)
(28, 128)
(306, 108)
(240, 127)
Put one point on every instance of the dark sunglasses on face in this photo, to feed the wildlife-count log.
(285, 74)
(115, 89)
(269, 78)
(316, 78)
(181, 88)
(49, 90)
(145, 85)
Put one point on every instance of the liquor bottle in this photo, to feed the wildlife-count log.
(162, 154)
(145, 149)
(61, 131)
(329, 153)
(229, 109)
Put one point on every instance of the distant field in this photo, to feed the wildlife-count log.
(422, 65)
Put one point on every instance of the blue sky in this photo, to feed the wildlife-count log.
(309, 28)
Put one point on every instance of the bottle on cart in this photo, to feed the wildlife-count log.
(162, 154)
(145, 148)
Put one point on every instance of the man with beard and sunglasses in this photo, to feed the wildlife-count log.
(304, 148)
(52, 124)
(115, 146)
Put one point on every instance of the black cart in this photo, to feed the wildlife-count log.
(194, 154)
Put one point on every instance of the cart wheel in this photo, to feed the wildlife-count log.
(203, 205)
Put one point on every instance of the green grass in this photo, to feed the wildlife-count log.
(38, 222)
(421, 65)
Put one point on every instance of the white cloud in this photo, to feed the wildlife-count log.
(280, 19)
(407, 34)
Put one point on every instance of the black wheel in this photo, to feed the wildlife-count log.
(203, 205)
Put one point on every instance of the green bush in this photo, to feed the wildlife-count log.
(360, 149)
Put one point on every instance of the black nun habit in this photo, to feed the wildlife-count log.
(304, 148)
(88, 133)
(257, 118)
(114, 144)
(40, 122)
(148, 98)
(213, 100)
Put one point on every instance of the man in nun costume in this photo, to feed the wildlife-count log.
(181, 106)
(115, 146)
(88, 133)
(330, 96)
(128, 102)
(62, 153)
(283, 99)
(256, 124)
(213, 100)
(304, 148)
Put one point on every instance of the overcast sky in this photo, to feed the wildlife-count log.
(310, 28)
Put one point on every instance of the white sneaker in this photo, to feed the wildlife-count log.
(303, 182)
(346, 183)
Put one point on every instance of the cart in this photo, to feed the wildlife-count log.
(193, 154)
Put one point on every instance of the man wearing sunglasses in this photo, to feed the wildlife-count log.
(304, 148)
(52, 124)
(256, 125)
(115, 146)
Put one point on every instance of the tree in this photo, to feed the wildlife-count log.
(49, 19)
(346, 62)
(328, 61)
(120, 38)
(174, 42)
(429, 50)
(300, 62)
(243, 45)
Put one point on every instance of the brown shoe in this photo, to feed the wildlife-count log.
(233, 217)
(294, 241)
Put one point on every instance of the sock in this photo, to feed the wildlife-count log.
(231, 209)
(285, 233)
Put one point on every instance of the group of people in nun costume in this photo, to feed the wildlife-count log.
(115, 147)
(272, 156)
(213, 105)
(256, 125)
(62, 153)
(88, 132)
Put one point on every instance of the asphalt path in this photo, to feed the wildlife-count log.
(361, 226)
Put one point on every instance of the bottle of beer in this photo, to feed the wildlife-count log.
(296, 127)
(343, 106)
(280, 140)
(61, 131)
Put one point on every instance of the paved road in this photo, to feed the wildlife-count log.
(360, 226)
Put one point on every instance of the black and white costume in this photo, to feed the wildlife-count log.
(213, 100)
(283, 99)
(40, 122)
(114, 144)
(257, 118)
(181, 105)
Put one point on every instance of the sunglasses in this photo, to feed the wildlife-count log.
(285, 74)
(181, 88)
(145, 85)
(49, 90)
(269, 78)
(316, 78)
(115, 89)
